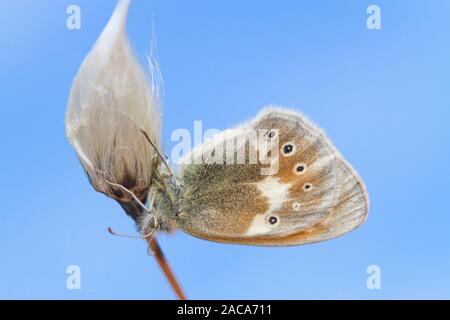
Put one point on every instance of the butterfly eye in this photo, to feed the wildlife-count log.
(272, 220)
(288, 149)
(299, 168)
(307, 186)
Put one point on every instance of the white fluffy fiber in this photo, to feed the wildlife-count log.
(111, 101)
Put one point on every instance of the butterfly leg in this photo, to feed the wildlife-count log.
(148, 223)
(136, 199)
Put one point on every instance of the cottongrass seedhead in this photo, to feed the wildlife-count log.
(112, 101)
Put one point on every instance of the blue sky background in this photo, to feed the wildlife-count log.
(382, 96)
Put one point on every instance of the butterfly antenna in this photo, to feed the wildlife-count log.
(161, 156)
(145, 236)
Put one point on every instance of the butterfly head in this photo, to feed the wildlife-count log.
(163, 203)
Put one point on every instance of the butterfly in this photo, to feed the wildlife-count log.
(299, 189)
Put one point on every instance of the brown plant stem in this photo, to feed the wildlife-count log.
(165, 267)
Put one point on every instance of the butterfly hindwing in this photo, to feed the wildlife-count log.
(312, 195)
